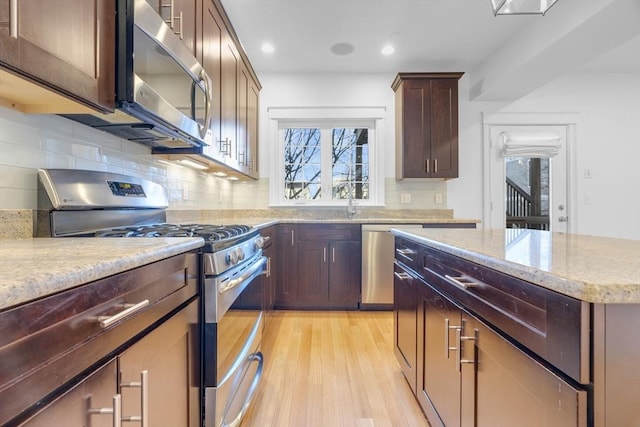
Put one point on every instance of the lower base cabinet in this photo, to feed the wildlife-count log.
(153, 380)
(468, 375)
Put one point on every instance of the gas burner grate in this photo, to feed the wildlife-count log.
(207, 232)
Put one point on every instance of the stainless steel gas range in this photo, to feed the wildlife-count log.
(100, 204)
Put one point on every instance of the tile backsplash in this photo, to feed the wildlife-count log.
(30, 142)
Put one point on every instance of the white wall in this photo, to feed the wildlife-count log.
(29, 142)
(608, 144)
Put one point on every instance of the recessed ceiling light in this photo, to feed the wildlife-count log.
(388, 50)
(342, 49)
(268, 48)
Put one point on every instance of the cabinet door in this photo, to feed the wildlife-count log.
(243, 125)
(163, 366)
(80, 406)
(416, 129)
(213, 32)
(286, 265)
(439, 376)
(67, 45)
(313, 272)
(444, 128)
(345, 260)
(253, 99)
(514, 389)
(229, 94)
(404, 325)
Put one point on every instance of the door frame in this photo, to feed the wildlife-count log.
(568, 120)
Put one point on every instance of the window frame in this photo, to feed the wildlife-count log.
(327, 119)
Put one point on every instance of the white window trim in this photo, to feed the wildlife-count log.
(371, 117)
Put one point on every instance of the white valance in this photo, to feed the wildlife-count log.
(530, 144)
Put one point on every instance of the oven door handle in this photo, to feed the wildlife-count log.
(253, 358)
(247, 275)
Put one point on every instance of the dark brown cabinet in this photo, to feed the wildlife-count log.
(426, 125)
(64, 45)
(320, 266)
(469, 375)
(234, 123)
(467, 371)
(405, 322)
(134, 334)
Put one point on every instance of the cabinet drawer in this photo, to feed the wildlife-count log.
(553, 326)
(328, 232)
(46, 343)
(407, 253)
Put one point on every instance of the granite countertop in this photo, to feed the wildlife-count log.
(592, 269)
(33, 268)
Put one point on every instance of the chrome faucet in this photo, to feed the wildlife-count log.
(351, 209)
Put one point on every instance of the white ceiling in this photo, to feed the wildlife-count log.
(434, 35)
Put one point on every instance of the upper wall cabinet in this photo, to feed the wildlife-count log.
(236, 91)
(65, 46)
(426, 125)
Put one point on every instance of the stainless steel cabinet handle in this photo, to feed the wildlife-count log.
(106, 321)
(459, 339)
(291, 237)
(447, 331)
(269, 267)
(435, 165)
(143, 418)
(324, 254)
(115, 410)
(333, 254)
(464, 282)
(427, 165)
(13, 19)
(402, 276)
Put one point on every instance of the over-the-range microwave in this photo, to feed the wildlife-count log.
(163, 95)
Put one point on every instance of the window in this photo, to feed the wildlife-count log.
(326, 162)
(305, 175)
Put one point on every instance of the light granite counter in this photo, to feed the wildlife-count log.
(33, 268)
(592, 269)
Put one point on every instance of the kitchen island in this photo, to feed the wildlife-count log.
(539, 315)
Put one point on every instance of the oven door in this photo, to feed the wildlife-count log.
(232, 359)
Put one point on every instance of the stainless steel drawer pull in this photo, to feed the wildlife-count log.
(115, 411)
(402, 276)
(465, 282)
(405, 253)
(106, 321)
(143, 418)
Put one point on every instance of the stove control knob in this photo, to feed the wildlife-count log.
(232, 258)
(259, 243)
(240, 253)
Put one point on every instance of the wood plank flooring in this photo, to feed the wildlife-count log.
(332, 368)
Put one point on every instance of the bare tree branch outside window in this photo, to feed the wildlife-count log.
(349, 169)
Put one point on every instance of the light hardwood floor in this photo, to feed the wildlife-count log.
(332, 368)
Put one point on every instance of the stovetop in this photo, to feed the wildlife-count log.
(206, 231)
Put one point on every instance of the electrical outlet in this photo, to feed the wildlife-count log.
(587, 173)
(438, 197)
(405, 198)
(587, 199)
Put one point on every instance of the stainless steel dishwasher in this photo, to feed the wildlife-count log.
(377, 265)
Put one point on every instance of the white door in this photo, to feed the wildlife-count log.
(513, 145)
